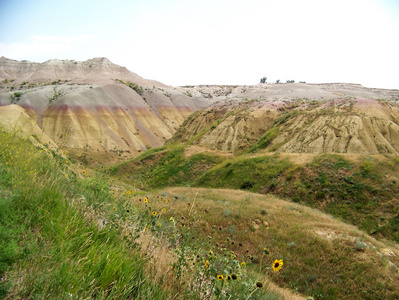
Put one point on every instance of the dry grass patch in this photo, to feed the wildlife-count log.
(323, 257)
(192, 150)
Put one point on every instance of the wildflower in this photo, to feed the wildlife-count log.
(171, 219)
(243, 264)
(266, 251)
(220, 277)
(206, 264)
(277, 265)
(166, 201)
(127, 210)
(228, 277)
(84, 171)
(164, 210)
(145, 200)
(259, 284)
(159, 225)
(234, 276)
(154, 213)
(128, 192)
(114, 208)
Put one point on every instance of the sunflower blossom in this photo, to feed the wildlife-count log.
(277, 265)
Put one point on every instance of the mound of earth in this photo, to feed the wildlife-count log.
(95, 104)
(297, 118)
(14, 119)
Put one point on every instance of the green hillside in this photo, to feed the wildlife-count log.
(362, 193)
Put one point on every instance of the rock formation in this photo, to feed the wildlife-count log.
(296, 118)
(95, 103)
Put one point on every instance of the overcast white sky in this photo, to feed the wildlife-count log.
(214, 41)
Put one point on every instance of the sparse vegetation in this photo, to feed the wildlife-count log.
(265, 140)
(55, 97)
(137, 88)
(14, 98)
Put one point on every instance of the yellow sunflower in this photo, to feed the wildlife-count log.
(220, 277)
(154, 213)
(145, 200)
(206, 264)
(277, 265)
(164, 210)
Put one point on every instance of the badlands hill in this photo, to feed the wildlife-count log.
(295, 118)
(95, 104)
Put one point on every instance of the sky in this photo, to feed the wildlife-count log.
(232, 42)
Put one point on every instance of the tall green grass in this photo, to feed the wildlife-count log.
(52, 243)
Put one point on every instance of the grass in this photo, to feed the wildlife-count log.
(52, 246)
(244, 173)
(160, 168)
(325, 266)
(265, 140)
(357, 192)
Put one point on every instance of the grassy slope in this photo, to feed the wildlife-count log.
(361, 193)
(51, 247)
(161, 167)
(323, 257)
